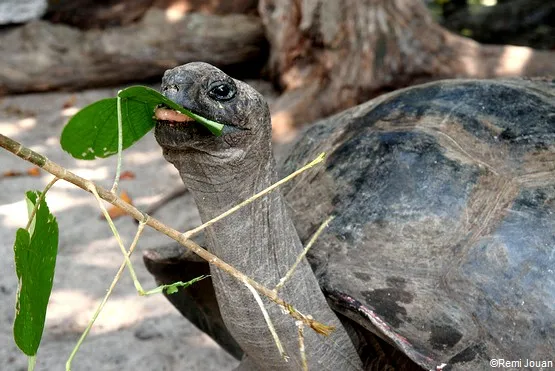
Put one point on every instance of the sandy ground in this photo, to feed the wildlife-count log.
(133, 333)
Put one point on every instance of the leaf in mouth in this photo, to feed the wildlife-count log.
(93, 131)
(151, 96)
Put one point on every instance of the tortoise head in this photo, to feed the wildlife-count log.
(208, 92)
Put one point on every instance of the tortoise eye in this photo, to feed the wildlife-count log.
(222, 91)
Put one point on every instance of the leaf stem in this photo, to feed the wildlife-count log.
(120, 144)
(39, 200)
(31, 362)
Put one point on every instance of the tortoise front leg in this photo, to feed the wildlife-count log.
(171, 263)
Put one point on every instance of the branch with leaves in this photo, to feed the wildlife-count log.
(183, 238)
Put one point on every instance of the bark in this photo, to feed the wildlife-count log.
(41, 56)
(213, 6)
(330, 55)
(93, 14)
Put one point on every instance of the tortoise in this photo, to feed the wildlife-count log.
(441, 254)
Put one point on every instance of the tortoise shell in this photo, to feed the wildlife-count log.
(443, 241)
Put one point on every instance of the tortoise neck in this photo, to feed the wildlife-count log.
(261, 234)
(261, 241)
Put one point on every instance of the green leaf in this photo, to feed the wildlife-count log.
(93, 131)
(154, 99)
(174, 287)
(171, 290)
(35, 261)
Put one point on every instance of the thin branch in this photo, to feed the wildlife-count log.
(311, 164)
(172, 288)
(268, 321)
(303, 253)
(62, 173)
(92, 188)
(301, 345)
(108, 293)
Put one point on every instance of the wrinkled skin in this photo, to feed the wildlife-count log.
(444, 196)
(259, 240)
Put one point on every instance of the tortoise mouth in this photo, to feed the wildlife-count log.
(174, 119)
(178, 131)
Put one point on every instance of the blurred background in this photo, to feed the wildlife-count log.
(310, 58)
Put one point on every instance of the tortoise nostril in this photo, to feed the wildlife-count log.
(170, 91)
(171, 87)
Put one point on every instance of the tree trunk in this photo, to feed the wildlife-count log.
(94, 14)
(330, 55)
(41, 56)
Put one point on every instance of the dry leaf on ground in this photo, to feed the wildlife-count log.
(114, 211)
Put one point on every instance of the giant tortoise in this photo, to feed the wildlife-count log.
(442, 251)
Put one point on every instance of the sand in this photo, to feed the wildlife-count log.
(133, 333)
